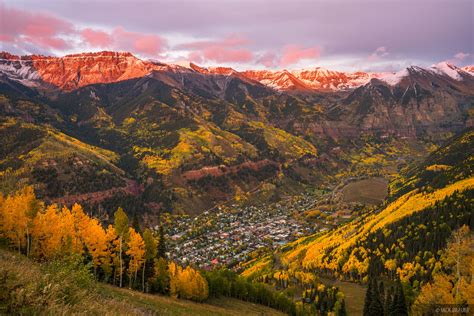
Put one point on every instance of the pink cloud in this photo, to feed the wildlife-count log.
(224, 55)
(461, 56)
(268, 59)
(229, 41)
(147, 44)
(40, 29)
(96, 38)
(195, 57)
(6, 38)
(121, 39)
(378, 53)
(48, 42)
(458, 59)
(292, 54)
(25, 29)
(226, 50)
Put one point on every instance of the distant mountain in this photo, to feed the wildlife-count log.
(74, 71)
(469, 69)
(411, 100)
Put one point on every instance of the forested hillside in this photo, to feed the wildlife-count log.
(403, 241)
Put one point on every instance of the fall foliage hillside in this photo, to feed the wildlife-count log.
(57, 164)
(403, 240)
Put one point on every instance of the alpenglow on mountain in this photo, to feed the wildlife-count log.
(77, 70)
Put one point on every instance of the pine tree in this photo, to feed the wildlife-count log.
(372, 305)
(375, 307)
(387, 301)
(161, 243)
(342, 311)
(136, 223)
(382, 292)
(150, 253)
(368, 296)
(121, 228)
(399, 306)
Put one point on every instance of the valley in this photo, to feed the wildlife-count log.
(235, 233)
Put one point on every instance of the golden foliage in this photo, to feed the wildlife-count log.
(57, 233)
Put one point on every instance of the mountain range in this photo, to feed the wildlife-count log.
(74, 71)
(186, 138)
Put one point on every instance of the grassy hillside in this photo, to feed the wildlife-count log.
(63, 287)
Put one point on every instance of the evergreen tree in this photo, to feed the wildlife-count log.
(150, 254)
(373, 305)
(161, 243)
(368, 296)
(136, 223)
(398, 306)
(387, 301)
(342, 311)
(382, 292)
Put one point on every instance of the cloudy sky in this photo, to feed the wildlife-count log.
(338, 34)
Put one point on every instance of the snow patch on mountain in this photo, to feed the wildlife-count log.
(21, 71)
(446, 69)
(394, 78)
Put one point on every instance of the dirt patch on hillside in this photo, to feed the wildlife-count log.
(367, 191)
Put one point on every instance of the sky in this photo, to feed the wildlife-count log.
(348, 35)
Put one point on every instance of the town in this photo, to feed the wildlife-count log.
(229, 235)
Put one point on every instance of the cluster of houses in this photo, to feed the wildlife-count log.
(227, 236)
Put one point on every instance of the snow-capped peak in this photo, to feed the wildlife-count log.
(443, 68)
(394, 78)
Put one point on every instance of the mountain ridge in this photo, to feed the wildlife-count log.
(77, 70)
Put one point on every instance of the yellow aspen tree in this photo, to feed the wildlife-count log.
(112, 250)
(136, 251)
(174, 272)
(68, 234)
(9, 221)
(192, 285)
(2, 215)
(46, 233)
(18, 211)
(81, 224)
(121, 228)
(96, 243)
